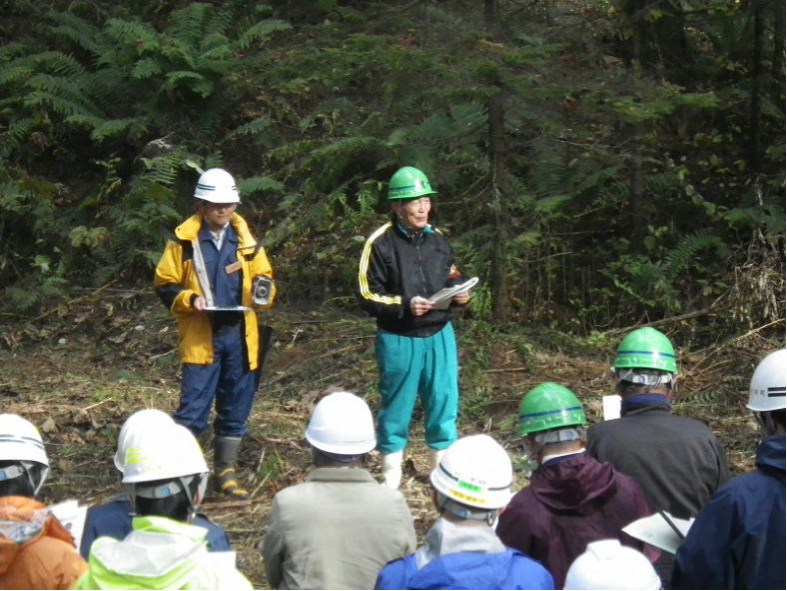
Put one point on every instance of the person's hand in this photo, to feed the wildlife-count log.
(420, 306)
(462, 298)
(199, 304)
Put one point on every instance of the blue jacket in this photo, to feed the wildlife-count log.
(738, 540)
(467, 570)
(114, 519)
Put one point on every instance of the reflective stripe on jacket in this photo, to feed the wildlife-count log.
(176, 281)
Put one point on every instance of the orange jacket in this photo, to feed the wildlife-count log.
(44, 557)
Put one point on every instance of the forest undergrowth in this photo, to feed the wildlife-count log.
(82, 367)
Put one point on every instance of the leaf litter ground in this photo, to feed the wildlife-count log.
(82, 368)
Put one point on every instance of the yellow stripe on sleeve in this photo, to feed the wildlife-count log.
(363, 270)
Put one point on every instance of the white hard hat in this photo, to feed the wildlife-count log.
(342, 423)
(217, 186)
(767, 388)
(148, 420)
(174, 453)
(475, 471)
(606, 564)
(20, 441)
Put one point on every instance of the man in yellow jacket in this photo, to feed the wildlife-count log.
(213, 276)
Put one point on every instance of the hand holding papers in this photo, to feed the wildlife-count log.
(442, 299)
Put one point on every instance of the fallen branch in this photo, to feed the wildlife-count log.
(669, 320)
(71, 302)
(729, 342)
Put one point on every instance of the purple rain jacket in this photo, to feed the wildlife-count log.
(571, 501)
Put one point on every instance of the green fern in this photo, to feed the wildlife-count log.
(680, 257)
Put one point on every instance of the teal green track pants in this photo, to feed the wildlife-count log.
(413, 366)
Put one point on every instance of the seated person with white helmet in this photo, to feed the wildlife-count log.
(471, 483)
(36, 550)
(338, 529)
(607, 564)
(166, 479)
(738, 539)
(113, 518)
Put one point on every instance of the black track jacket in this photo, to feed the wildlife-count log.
(397, 265)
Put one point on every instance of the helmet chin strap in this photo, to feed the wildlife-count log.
(463, 511)
(767, 424)
(173, 487)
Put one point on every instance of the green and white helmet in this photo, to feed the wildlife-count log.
(549, 406)
(646, 348)
(409, 183)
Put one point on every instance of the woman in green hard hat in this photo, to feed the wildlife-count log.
(403, 263)
(676, 460)
(572, 499)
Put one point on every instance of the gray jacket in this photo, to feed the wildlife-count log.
(335, 531)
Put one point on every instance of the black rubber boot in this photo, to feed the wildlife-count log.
(225, 453)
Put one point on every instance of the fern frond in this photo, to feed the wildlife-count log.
(77, 30)
(114, 127)
(261, 31)
(258, 184)
(140, 37)
(253, 127)
(192, 80)
(13, 50)
(679, 258)
(146, 68)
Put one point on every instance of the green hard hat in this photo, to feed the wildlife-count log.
(408, 183)
(549, 406)
(646, 348)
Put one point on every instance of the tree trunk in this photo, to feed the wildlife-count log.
(497, 154)
(755, 137)
(777, 59)
(497, 150)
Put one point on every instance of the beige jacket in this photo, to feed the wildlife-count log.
(335, 531)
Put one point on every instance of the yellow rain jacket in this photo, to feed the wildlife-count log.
(176, 282)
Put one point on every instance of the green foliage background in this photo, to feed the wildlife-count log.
(642, 174)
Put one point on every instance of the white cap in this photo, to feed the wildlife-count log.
(20, 440)
(173, 453)
(768, 384)
(147, 420)
(217, 186)
(475, 471)
(342, 423)
(606, 564)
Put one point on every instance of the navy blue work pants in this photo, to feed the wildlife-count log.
(227, 379)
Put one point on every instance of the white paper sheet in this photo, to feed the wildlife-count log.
(655, 531)
(442, 299)
(611, 405)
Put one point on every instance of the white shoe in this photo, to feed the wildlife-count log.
(392, 469)
(435, 455)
